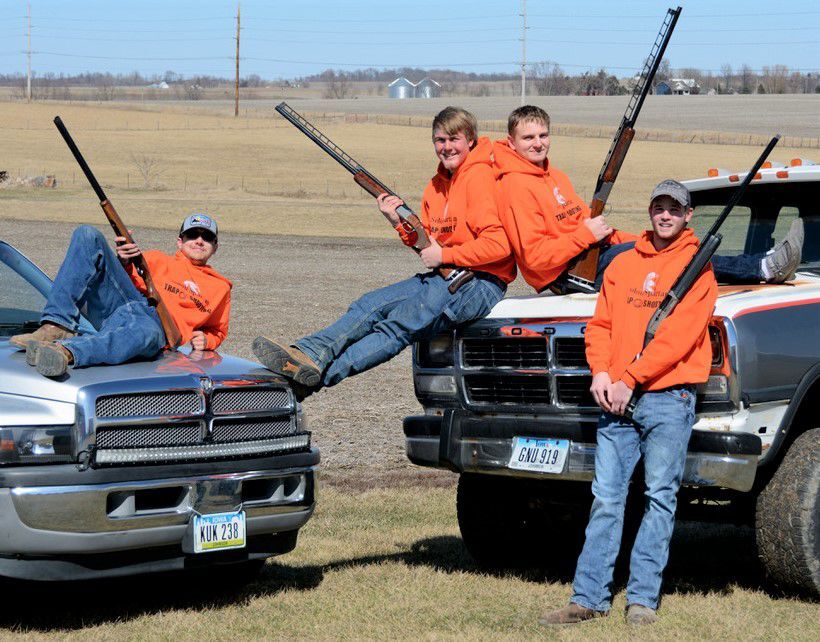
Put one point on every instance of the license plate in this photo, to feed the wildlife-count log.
(219, 531)
(539, 455)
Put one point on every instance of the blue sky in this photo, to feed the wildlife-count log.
(300, 37)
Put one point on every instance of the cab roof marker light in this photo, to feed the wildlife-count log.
(782, 174)
(734, 178)
(716, 171)
(766, 165)
(797, 162)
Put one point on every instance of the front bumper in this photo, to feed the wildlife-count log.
(468, 443)
(61, 523)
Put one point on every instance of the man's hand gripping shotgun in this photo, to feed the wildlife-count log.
(581, 275)
(408, 224)
(172, 334)
(696, 265)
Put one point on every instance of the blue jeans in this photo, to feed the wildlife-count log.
(659, 433)
(126, 326)
(743, 268)
(383, 322)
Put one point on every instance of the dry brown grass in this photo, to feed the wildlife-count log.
(391, 565)
(262, 175)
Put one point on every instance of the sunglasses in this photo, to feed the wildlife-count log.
(196, 233)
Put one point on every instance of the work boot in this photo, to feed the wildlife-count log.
(784, 258)
(47, 332)
(287, 361)
(52, 359)
(32, 347)
(570, 614)
(639, 615)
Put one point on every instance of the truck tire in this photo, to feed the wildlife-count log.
(505, 522)
(788, 519)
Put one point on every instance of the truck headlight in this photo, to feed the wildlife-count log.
(436, 352)
(35, 445)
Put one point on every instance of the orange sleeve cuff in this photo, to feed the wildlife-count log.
(629, 380)
(447, 256)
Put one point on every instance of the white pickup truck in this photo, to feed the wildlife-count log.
(521, 374)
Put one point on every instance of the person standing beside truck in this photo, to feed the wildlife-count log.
(672, 364)
(459, 215)
(127, 327)
(549, 225)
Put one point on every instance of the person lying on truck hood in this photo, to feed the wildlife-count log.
(667, 371)
(459, 215)
(549, 225)
(127, 327)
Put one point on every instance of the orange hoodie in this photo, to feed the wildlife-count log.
(197, 296)
(459, 211)
(634, 285)
(542, 215)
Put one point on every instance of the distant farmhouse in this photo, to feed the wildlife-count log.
(403, 88)
(677, 87)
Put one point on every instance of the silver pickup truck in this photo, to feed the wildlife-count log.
(188, 461)
(507, 401)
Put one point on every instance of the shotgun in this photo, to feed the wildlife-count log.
(413, 234)
(696, 265)
(172, 334)
(581, 275)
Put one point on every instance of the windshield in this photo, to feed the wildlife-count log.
(23, 291)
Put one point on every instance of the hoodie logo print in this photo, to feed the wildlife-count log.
(193, 287)
(649, 283)
(559, 197)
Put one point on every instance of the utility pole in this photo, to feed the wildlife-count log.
(28, 82)
(523, 51)
(236, 88)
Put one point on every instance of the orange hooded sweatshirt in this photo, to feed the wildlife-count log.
(542, 215)
(634, 285)
(197, 296)
(459, 211)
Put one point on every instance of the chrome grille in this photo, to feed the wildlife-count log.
(161, 404)
(249, 399)
(142, 436)
(574, 391)
(505, 353)
(570, 352)
(508, 389)
(245, 430)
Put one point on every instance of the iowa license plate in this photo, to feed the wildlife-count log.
(219, 531)
(539, 455)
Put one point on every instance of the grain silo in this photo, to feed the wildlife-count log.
(428, 88)
(401, 88)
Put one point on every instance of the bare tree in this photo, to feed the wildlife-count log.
(150, 168)
(549, 79)
(726, 72)
(337, 86)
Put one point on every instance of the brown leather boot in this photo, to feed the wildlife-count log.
(287, 361)
(47, 332)
(640, 615)
(570, 614)
(52, 359)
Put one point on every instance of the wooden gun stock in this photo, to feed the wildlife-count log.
(586, 266)
(410, 223)
(172, 335)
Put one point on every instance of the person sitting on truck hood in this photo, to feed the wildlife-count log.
(676, 360)
(549, 225)
(459, 214)
(197, 297)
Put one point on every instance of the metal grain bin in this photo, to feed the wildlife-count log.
(401, 88)
(428, 88)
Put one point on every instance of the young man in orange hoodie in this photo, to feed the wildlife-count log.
(459, 214)
(549, 225)
(666, 371)
(125, 325)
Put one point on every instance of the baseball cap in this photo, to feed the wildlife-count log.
(674, 189)
(202, 221)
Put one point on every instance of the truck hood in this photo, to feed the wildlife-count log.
(733, 300)
(18, 378)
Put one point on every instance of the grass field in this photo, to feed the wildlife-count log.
(261, 175)
(390, 565)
